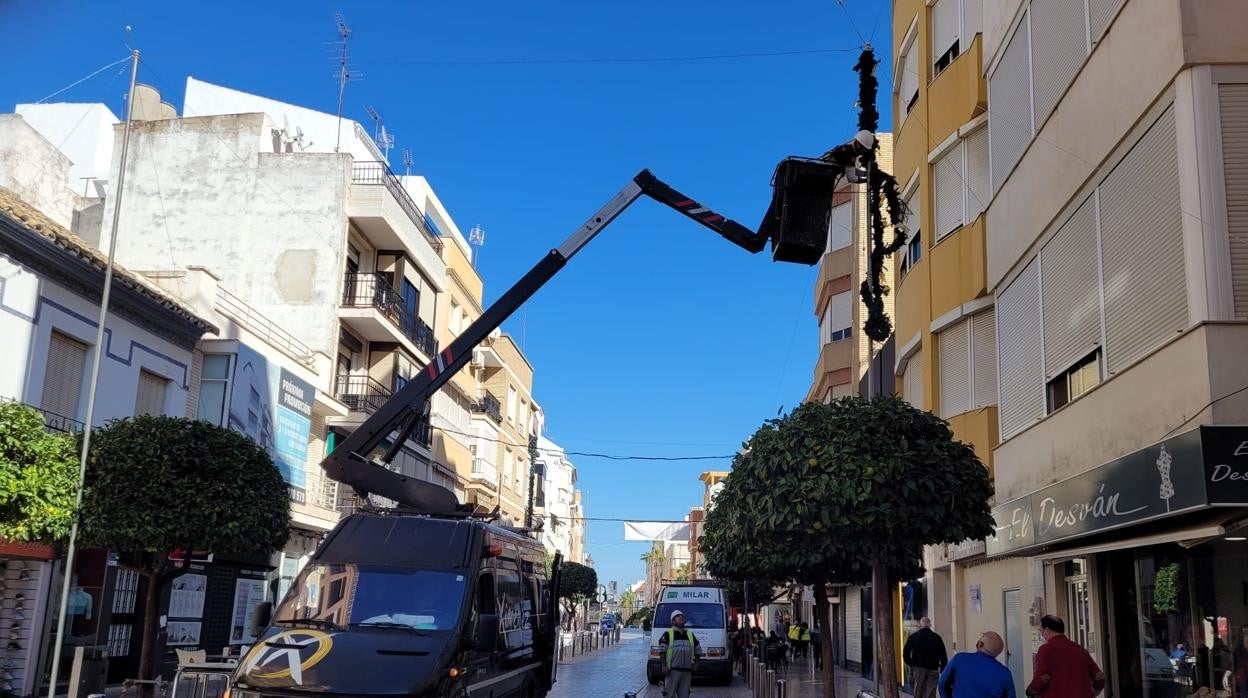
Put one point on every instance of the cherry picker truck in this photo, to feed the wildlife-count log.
(426, 597)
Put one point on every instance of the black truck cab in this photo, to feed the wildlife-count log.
(412, 605)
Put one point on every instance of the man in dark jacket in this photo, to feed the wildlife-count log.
(924, 653)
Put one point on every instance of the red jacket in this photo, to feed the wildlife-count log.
(1065, 670)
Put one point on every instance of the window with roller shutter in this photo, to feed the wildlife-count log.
(151, 395)
(1233, 107)
(1058, 47)
(954, 345)
(968, 364)
(1020, 356)
(1142, 247)
(908, 80)
(1100, 12)
(960, 183)
(912, 380)
(948, 197)
(984, 359)
(945, 42)
(1009, 93)
(62, 378)
(1071, 291)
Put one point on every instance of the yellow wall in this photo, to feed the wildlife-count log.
(958, 268)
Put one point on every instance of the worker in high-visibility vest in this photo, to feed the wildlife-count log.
(679, 649)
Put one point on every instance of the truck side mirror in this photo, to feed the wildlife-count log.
(487, 633)
(260, 617)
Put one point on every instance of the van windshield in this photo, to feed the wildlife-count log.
(372, 595)
(697, 615)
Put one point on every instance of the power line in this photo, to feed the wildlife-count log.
(587, 454)
(852, 24)
(82, 80)
(621, 59)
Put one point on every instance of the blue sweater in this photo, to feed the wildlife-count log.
(975, 675)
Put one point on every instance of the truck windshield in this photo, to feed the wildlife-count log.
(372, 595)
(697, 615)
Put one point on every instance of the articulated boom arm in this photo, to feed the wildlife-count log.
(351, 462)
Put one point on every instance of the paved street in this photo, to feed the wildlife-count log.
(617, 670)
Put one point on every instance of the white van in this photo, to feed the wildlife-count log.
(705, 607)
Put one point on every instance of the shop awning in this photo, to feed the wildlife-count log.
(1202, 469)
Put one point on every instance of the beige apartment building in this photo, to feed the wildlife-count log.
(843, 347)
(506, 378)
(1117, 256)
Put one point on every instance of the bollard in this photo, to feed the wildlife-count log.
(630, 694)
(781, 689)
(771, 681)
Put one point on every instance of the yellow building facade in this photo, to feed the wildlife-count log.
(945, 325)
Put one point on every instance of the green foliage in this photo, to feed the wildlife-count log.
(762, 591)
(38, 477)
(641, 616)
(577, 582)
(824, 489)
(1167, 586)
(157, 483)
(682, 572)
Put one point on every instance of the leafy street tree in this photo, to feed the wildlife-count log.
(845, 492)
(159, 484)
(38, 477)
(577, 584)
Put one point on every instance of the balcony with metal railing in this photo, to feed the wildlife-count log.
(361, 393)
(379, 173)
(484, 470)
(371, 291)
(490, 406)
(364, 395)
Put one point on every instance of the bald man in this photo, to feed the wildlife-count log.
(978, 674)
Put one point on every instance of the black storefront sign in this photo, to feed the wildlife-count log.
(1207, 466)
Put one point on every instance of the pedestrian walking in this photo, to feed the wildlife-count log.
(978, 674)
(924, 653)
(1064, 668)
(679, 649)
(816, 646)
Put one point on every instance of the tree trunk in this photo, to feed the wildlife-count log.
(151, 612)
(826, 673)
(882, 600)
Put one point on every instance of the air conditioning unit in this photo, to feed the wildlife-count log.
(478, 358)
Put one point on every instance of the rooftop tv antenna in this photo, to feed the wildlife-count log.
(407, 161)
(376, 117)
(344, 73)
(476, 238)
(385, 142)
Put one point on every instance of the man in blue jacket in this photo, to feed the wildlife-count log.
(978, 674)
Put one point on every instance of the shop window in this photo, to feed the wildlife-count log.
(1075, 381)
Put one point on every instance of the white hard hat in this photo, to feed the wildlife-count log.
(676, 613)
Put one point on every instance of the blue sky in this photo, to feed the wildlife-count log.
(659, 338)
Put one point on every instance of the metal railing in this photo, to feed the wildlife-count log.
(485, 470)
(380, 173)
(490, 406)
(361, 393)
(52, 421)
(371, 290)
(238, 310)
